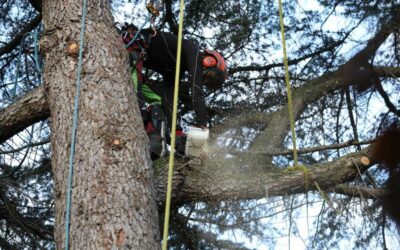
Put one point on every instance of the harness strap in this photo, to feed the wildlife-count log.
(138, 49)
(139, 69)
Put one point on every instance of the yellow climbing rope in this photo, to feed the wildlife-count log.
(173, 129)
(289, 97)
(288, 90)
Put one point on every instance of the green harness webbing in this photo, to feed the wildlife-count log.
(150, 96)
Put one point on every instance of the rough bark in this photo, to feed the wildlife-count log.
(113, 204)
(214, 180)
(26, 111)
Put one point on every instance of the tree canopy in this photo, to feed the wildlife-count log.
(344, 64)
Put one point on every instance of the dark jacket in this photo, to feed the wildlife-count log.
(161, 57)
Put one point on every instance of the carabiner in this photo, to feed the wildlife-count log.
(153, 10)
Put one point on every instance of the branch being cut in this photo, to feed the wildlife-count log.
(216, 180)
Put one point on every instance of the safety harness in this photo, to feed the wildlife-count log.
(137, 52)
(137, 44)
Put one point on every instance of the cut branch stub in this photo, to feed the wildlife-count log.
(365, 161)
(73, 49)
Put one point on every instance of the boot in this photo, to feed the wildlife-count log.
(157, 145)
(155, 129)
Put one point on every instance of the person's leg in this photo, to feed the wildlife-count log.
(156, 131)
(153, 117)
(167, 102)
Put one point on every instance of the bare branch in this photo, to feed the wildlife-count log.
(10, 213)
(37, 5)
(323, 147)
(26, 146)
(388, 72)
(387, 101)
(17, 39)
(359, 191)
(26, 111)
(170, 18)
(290, 62)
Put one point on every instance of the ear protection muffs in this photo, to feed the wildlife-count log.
(213, 59)
(209, 62)
(214, 69)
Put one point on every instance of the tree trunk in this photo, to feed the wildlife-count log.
(113, 203)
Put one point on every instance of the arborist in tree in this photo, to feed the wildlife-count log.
(157, 51)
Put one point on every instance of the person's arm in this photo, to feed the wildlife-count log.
(192, 57)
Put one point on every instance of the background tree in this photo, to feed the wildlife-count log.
(344, 63)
